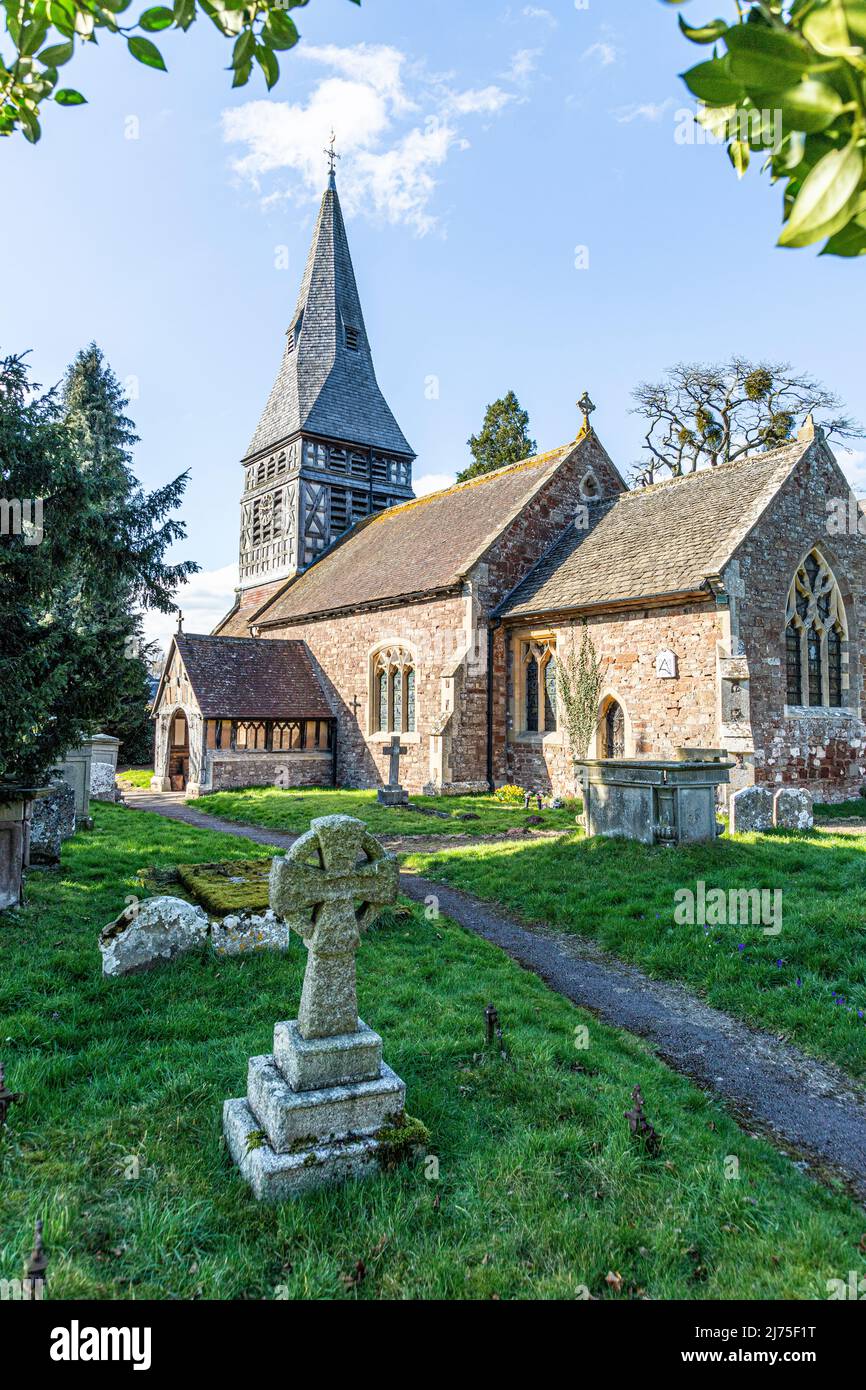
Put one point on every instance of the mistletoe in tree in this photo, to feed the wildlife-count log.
(45, 35)
(702, 414)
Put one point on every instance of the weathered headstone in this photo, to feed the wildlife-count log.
(393, 794)
(52, 822)
(319, 1108)
(751, 809)
(103, 786)
(792, 809)
(158, 929)
(246, 933)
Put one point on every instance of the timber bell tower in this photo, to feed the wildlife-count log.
(327, 450)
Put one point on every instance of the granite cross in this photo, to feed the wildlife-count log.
(334, 866)
(394, 768)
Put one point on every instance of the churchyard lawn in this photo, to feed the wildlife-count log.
(135, 776)
(541, 1189)
(807, 983)
(293, 810)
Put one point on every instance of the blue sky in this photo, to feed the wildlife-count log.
(484, 147)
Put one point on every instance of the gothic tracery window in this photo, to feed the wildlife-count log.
(393, 702)
(815, 636)
(538, 687)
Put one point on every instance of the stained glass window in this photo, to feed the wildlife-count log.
(382, 699)
(531, 722)
(394, 691)
(550, 695)
(794, 664)
(834, 666)
(410, 701)
(815, 617)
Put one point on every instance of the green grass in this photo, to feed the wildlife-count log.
(841, 810)
(541, 1189)
(135, 776)
(294, 809)
(621, 894)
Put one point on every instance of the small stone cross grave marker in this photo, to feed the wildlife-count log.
(323, 1106)
(393, 794)
(334, 866)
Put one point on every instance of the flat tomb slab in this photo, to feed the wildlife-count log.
(294, 1119)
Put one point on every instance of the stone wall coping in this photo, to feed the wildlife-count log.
(242, 755)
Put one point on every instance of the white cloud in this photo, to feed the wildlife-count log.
(523, 65)
(606, 53)
(395, 125)
(535, 12)
(643, 111)
(480, 101)
(432, 482)
(205, 599)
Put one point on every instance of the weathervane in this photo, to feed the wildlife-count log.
(332, 156)
(586, 405)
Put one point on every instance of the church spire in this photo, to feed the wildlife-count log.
(326, 383)
(327, 450)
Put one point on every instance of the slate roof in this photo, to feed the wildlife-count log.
(658, 540)
(323, 386)
(417, 548)
(251, 678)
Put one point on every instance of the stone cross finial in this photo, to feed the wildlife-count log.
(586, 406)
(329, 888)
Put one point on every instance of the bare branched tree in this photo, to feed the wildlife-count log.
(701, 415)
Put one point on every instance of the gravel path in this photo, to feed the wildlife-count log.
(806, 1107)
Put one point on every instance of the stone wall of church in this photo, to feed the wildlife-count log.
(661, 713)
(822, 750)
(449, 747)
(343, 648)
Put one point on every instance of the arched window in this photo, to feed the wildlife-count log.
(394, 691)
(538, 688)
(816, 636)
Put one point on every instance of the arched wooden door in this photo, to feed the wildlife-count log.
(613, 731)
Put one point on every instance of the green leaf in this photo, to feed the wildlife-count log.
(810, 106)
(245, 47)
(267, 61)
(156, 18)
(280, 31)
(712, 82)
(32, 37)
(769, 59)
(242, 74)
(851, 241)
(146, 52)
(56, 56)
(826, 29)
(827, 190)
(184, 13)
(67, 96)
(738, 153)
(702, 33)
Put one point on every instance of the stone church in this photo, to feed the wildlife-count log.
(727, 606)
